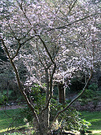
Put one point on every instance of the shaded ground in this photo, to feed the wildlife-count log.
(88, 106)
(11, 107)
(83, 106)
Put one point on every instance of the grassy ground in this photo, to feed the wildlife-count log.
(9, 119)
(95, 119)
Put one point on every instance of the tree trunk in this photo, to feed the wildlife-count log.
(61, 93)
(44, 121)
(7, 94)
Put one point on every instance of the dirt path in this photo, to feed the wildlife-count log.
(90, 106)
(10, 107)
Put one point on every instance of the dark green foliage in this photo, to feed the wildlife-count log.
(12, 96)
(93, 87)
(3, 98)
(23, 72)
(2, 55)
(88, 94)
(26, 113)
(77, 84)
(70, 119)
(38, 97)
(55, 91)
(91, 92)
(16, 96)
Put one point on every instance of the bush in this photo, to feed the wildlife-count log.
(38, 98)
(26, 113)
(88, 94)
(91, 92)
(93, 87)
(68, 120)
(3, 98)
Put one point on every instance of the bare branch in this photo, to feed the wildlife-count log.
(46, 49)
(40, 57)
(72, 6)
(26, 34)
(13, 32)
(18, 40)
(6, 50)
(17, 50)
(51, 78)
(51, 82)
(27, 40)
(47, 104)
(69, 24)
(20, 44)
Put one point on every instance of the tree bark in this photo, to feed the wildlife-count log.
(61, 93)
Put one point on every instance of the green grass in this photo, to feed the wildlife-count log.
(10, 119)
(95, 119)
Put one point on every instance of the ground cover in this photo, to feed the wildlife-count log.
(95, 119)
(10, 119)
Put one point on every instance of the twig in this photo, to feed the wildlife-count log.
(69, 24)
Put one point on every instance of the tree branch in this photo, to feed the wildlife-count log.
(17, 50)
(50, 96)
(40, 57)
(72, 6)
(51, 78)
(46, 49)
(69, 24)
(18, 40)
(47, 104)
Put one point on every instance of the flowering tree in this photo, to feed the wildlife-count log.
(53, 40)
